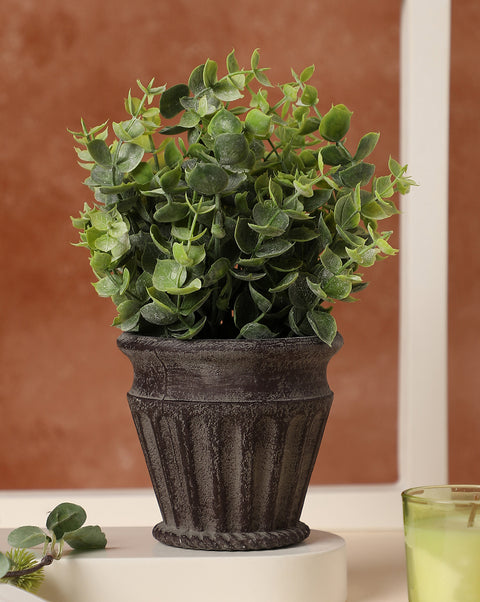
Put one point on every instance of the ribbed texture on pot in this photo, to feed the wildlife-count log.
(230, 431)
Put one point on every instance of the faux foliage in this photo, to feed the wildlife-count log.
(223, 208)
(65, 525)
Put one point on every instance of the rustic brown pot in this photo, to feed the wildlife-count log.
(230, 430)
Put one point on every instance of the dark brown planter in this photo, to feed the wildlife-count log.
(230, 430)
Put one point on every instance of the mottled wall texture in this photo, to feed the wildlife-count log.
(64, 419)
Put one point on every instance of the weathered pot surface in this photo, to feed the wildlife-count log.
(230, 430)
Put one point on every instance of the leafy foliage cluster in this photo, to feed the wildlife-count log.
(65, 524)
(236, 220)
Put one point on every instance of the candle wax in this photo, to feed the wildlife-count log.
(443, 559)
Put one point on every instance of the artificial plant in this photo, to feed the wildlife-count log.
(245, 216)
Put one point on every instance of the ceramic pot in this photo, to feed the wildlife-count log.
(230, 430)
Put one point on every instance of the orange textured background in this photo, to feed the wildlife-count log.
(64, 419)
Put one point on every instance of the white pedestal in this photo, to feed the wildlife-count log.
(136, 568)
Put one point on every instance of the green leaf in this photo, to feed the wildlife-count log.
(336, 123)
(100, 152)
(207, 178)
(284, 283)
(195, 81)
(172, 155)
(217, 271)
(226, 91)
(168, 275)
(171, 212)
(346, 213)
(366, 145)
(263, 304)
(335, 155)
(245, 237)
(231, 149)
(224, 122)
(193, 302)
(192, 331)
(269, 219)
(26, 537)
(64, 518)
(331, 261)
(273, 248)
(254, 330)
(357, 174)
(128, 315)
(188, 255)
(254, 59)
(323, 324)
(309, 96)
(129, 156)
(107, 286)
(86, 538)
(210, 73)
(338, 287)
(158, 314)
(170, 179)
(302, 234)
(4, 565)
(170, 104)
(232, 63)
(307, 73)
(259, 124)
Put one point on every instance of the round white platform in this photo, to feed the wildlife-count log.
(135, 567)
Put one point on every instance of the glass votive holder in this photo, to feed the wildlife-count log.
(442, 542)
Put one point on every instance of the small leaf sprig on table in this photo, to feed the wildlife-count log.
(65, 525)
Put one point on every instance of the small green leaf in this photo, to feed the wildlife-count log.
(263, 304)
(195, 81)
(231, 149)
(323, 324)
(156, 314)
(331, 261)
(357, 174)
(107, 286)
(65, 517)
(172, 155)
(232, 63)
(254, 330)
(224, 122)
(100, 152)
(4, 565)
(259, 124)
(309, 96)
(170, 104)
(307, 73)
(26, 537)
(192, 331)
(207, 178)
(86, 538)
(284, 283)
(273, 248)
(336, 123)
(210, 73)
(129, 156)
(217, 271)
(171, 212)
(346, 213)
(366, 145)
(168, 275)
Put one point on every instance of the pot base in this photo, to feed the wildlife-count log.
(230, 542)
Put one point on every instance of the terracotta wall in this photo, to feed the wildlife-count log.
(64, 420)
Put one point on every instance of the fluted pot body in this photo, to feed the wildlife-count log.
(230, 430)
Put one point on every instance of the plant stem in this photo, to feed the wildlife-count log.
(45, 561)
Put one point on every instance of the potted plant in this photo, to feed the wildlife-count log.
(226, 221)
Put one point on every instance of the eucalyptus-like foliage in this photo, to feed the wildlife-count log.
(242, 217)
(65, 524)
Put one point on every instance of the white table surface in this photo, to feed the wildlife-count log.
(375, 563)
